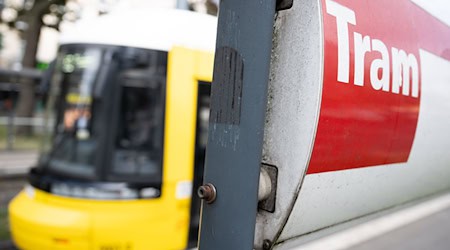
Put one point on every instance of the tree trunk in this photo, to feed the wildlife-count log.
(26, 97)
(25, 105)
(26, 101)
(33, 18)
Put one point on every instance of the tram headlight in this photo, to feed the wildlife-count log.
(29, 190)
(150, 192)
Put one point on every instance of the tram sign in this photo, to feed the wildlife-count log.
(358, 114)
(372, 82)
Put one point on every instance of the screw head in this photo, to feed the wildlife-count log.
(267, 244)
(207, 193)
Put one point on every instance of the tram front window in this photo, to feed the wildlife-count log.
(109, 127)
(75, 139)
(140, 132)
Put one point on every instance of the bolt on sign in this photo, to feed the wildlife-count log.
(373, 53)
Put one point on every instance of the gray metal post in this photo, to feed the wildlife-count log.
(239, 96)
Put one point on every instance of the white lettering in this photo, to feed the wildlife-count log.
(404, 63)
(344, 16)
(377, 64)
(362, 45)
(404, 66)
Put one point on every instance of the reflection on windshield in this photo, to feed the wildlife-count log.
(80, 70)
(110, 113)
(140, 134)
(76, 72)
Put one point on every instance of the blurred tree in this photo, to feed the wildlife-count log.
(33, 19)
(29, 16)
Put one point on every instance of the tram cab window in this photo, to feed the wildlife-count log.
(139, 141)
(110, 114)
(74, 141)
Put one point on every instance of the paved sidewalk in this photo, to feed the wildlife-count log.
(419, 225)
(16, 162)
(431, 232)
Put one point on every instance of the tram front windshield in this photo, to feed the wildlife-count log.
(74, 140)
(109, 104)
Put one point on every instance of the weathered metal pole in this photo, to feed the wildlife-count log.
(239, 97)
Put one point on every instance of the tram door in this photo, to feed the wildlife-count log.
(201, 138)
(189, 77)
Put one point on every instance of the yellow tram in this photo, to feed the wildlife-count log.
(130, 95)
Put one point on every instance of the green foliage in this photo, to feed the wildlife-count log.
(1, 41)
(26, 142)
(42, 66)
(4, 225)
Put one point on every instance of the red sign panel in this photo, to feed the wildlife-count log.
(372, 82)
